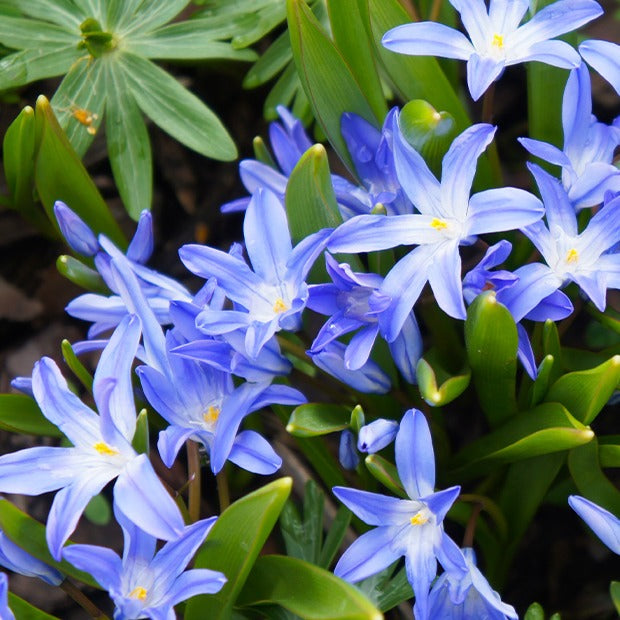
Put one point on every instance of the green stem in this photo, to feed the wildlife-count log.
(470, 530)
(82, 600)
(410, 8)
(222, 489)
(193, 467)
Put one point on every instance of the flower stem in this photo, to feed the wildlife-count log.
(470, 530)
(435, 10)
(82, 600)
(410, 8)
(222, 490)
(487, 104)
(193, 467)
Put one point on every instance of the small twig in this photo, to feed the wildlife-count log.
(435, 10)
(82, 600)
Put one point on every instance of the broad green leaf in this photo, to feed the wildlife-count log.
(541, 383)
(586, 392)
(585, 469)
(306, 590)
(608, 454)
(614, 592)
(151, 14)
(176, 110)
(491, 341)
(386, 473)
(234, 544)
(30, 536)
(129, 147)
(265, 21)
(395, 591)
(60, 175)
(118, 11)
(413, 77)
(78, 273)
(21, 414)
(25, 611)
(61, 12)
(277, 56)
(78, 369)
(436, 386)
(79, 102)
(19, 33)
(350, 25)
(327, 79)
(545, 429)
(314, 419)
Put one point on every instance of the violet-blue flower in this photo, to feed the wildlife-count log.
(377, 435)
(5, 610)
(101, 448)
(604, 56)
(602, 522)
(272, 295)
(586, 160)
(448, 218)
(495, 39)
(147, 583)
(405, 527)
(468, 596)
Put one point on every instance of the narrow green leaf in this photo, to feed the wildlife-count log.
(140, 441)
(129, 147)
(60, 175)
(19, 33)
(282, 93)
(25, 611)
(277, 56)
(78, 273)
(30, 536)
(151, 14)
(429, 375)
(61, 12)
(397, 590)
(234, 544)
(586, 392)
(79, 102)
(614, 592)
(78, 369)
(541, 383)
(334, 537)
(119, 11)
(21, 414)
(306, 590)
(585, 469)
(261, 152)
(314, 419)
(327, 79)
(608, 454)
(386, 473)
(491, 341)
(176, 110)
(350, 25)
(545, 429)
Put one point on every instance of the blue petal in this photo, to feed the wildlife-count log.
(377, 435)
(444, 277)
(440, 502)
(254, 175)
(100, 562)
(139, 547)
(305, 254)
(141, 246)
(142, 498)
(252, 452)
(406, 348)
(559, 211)
(160, 393)
(194, 582)
(359, 348)
(171, 440)
(421, 567)
(475, 18)
(482, 71)
(545, 151)
(506, 15)
(75, 230)
(16, 559)
(362, 141)
(603, 230)
(577, 111)
(7, 614)
(604, 56)
(590, 188)
(604, 524)
(554, 53)
(376, 508)
(428, 39)
(369, 554)
(415, 459)
(526, 353)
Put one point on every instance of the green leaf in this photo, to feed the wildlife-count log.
(541, 383)
(78, 273)
(545, 429)
(129, 147)
(335, 536)
(277, 56)
(140, 441)
(350, 25)
(428, 377)
(608, 454)
(21, 414)
(98, 510)
(19, 33)
(491, 341)
(62, 12)
(151, 14)
(614, 592)
(78, 369)
(314, 419)
(25, 611)
(585, 469)
(30, 536)
(60, 175)
(306, 590)
(176, 110)
(586, 392)
(386, 473)
(327, 79)
(234, 544)
(534, 612)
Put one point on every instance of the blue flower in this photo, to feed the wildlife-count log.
(448, 218)
(496, 39)
(455, 597)
(272, 295)
(347, 455)
(101, 449)
(586, 161)
(5, 611)
(604, 56)
(146, 583)
(604, 524)
(405, 527)
(354, 302)
(377, 435)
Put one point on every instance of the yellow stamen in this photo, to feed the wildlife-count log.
(139, 592)
(418, 519)
(498, 41)
(572, 256)
(103, 448)
(438, 224)
(213, 413)
(279, 306)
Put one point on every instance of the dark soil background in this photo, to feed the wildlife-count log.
(560, 564)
